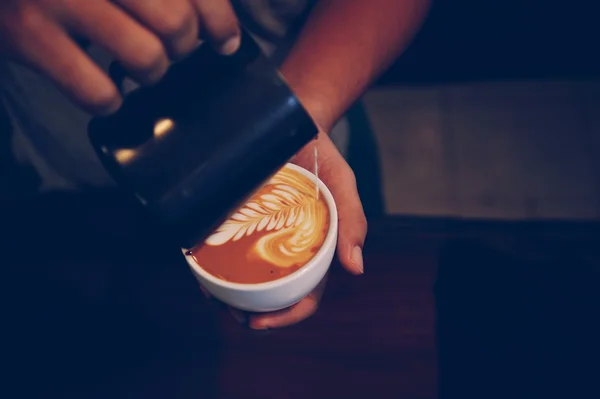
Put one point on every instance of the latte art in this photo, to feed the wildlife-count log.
(288, 211)
(282, 226)
(288, 247)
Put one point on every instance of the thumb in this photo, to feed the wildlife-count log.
(352, 223)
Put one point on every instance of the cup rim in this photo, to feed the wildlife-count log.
(330, 241)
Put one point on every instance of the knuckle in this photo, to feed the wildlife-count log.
(219, 24)
(347, 175)
(326, 165)
(354, 216)
(27, 18)
(150, 58)
(104, 98)
(226, 31)
(362, 222)
(18, 23)
(173, 24)
(311, 305)
(350, 176)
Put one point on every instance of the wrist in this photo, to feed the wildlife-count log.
(314, 101)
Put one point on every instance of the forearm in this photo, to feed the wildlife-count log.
(344, 46)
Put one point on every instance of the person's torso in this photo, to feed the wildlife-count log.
(49, 133)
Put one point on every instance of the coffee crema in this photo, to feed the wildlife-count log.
(275, 233)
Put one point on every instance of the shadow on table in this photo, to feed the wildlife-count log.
(97, 307)
(515, 324)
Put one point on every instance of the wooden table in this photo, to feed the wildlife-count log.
(101, 314)
(96, 314)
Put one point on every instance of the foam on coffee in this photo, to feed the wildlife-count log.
(274, 234)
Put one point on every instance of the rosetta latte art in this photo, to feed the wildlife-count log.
(288, 216)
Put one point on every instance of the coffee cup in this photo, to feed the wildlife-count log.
(297, 279)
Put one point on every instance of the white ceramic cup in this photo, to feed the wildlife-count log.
(284, 292)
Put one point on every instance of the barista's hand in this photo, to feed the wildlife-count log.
(339, 178)
(143, 36)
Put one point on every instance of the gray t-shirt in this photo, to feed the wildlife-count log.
(49, 133)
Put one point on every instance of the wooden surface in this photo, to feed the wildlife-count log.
(373, 336)
(93, 313)
(100, 316)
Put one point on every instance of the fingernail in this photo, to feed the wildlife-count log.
(258, 326)
(230, 46)
(112, 107)
(238, 315)
(357, 259)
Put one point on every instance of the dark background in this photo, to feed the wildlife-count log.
(506, 319)
(466, 40)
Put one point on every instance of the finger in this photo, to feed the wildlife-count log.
(219, 25)
(49, 50)
(237, 315)
(352, 223)
(135, 47)
(286, 317)
(292, 315)
(174, 21)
